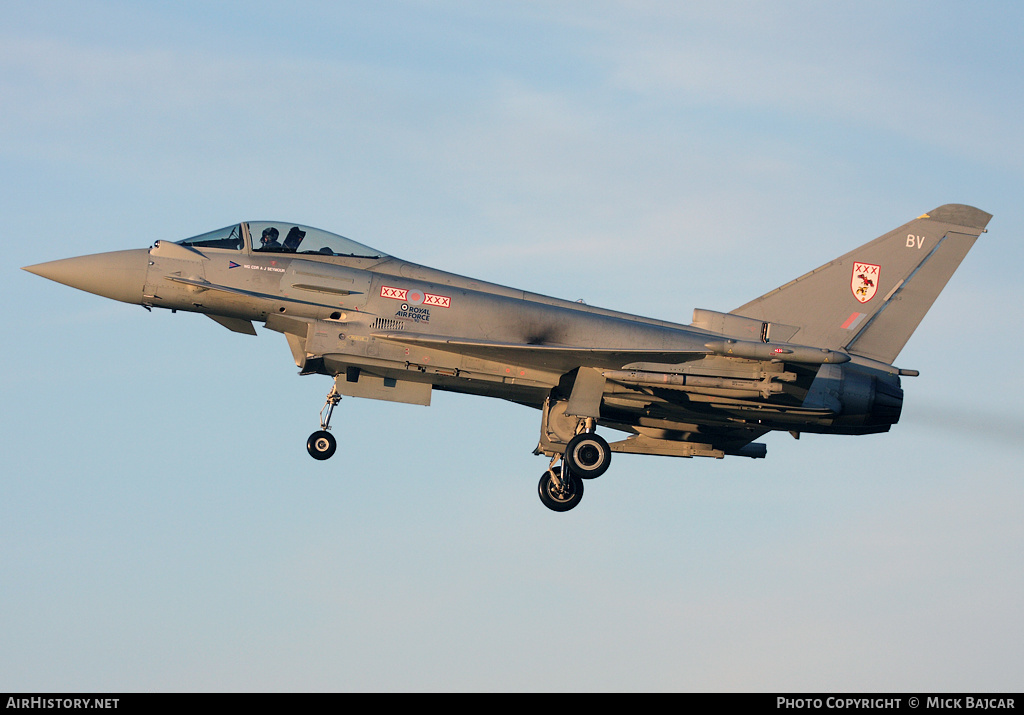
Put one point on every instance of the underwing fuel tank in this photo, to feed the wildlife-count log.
(770, 351)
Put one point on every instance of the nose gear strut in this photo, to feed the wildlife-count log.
(321, 444)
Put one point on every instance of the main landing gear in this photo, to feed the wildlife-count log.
(587, 456)
(559, 490)
(321, 444)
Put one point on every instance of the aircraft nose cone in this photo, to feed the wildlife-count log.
(120, 275)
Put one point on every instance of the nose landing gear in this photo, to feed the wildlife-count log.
(321, 444)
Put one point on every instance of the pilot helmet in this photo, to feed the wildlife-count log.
(270, 234)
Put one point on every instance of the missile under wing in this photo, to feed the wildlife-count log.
(814, 355)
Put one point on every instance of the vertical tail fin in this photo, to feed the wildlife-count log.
(871, 300)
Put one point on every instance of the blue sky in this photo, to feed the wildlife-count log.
(162, 526)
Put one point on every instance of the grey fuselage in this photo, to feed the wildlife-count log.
(393, 330)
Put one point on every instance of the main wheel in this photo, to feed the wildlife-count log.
(587, 455)
(560, 499)
(321, 445)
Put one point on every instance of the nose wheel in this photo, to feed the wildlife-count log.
(321, 444)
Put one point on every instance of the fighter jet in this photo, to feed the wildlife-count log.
(814, 355)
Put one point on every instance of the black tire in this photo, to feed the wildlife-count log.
(321, 445)
(556, 500)
(588, 456)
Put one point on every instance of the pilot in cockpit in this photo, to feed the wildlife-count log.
(269, 240)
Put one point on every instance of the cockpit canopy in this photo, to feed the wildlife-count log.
(278, 237)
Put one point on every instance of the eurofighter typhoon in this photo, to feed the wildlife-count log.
(815, 355)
